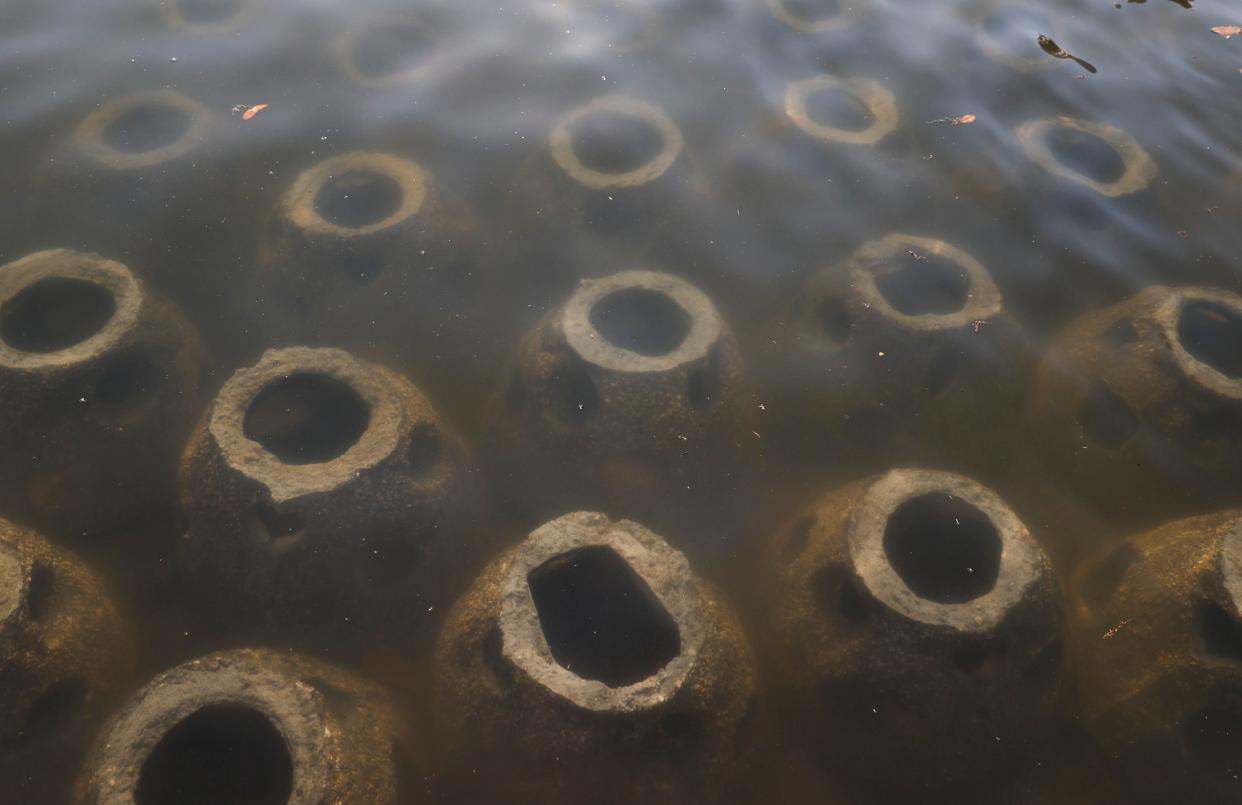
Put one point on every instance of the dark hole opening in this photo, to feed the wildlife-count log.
(600, 619)
(641, 320)
(390, 49)
(1105, 418)
(39, 595)
(54, 710)
(1215, 738)
(358, 198)
(54, 314)
(424, 450)
(971, 657)
(210, 10)
(834, 319)
(1086, 154)
(1221, 633)
(307, 419)
(614, 142)
(279, 525)
(223, 753)
(1213, 334)
(833, 106)
(836, 594)
(146, 127)
(127, 378)
(924, 284)
(1104, 578)
(943, 548)
(704, 383)
(575, 390)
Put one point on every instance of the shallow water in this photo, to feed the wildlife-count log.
(767, 176)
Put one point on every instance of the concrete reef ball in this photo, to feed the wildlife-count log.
(625, 676)
(1159, 649)
(1059, 145)
(248, 726)
(880, 103)
(208, 17)
(907, 342)
(99, 383)
(628, 393)
(142, 131)
(381, 52)
(1141, 403)
(324, 489)
(916, 632)
(64, 654)
(360, 221)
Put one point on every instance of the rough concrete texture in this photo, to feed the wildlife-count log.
(675, 730)
(366, 231)
(915, 636)
(92, 363)
(64, 656)
(1141, 403)
(629, 397)
(906, 349)
(1158, 648)
(339, 736)
(323, 491)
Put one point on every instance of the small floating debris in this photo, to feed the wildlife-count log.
(1227, 31)
(964, 120)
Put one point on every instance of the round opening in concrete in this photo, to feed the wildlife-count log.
(641, 320)
(306, 418)
(210, 10)
(358, 198)
(834, 106)
(615, 142)
(1086, 154)
(1215, 738)
(390, 49)
(1212, 333)
(223, 753)
(146, 127)
(600, 619)
(923, 284)
(54, 314)
(943, 548)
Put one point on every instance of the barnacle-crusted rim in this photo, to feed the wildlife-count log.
(116, 279)
(14, 582)
(347, 44)
(1022, 561)
(1231, 565)
(561, 141)
(299, 203)
(878, 100)
(291, 706)
(91, 140)
(663, 569)
(595, 348)
(1140, 169)
(1168, 317)
(983, 298)
(846, 14)
(290, 481)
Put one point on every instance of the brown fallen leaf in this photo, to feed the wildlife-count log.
(254, 110)
(1227, 30)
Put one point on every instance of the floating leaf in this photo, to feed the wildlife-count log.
(1227, 30)
(956, 121)
(254, 110)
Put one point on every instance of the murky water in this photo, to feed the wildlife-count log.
(715, 267)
